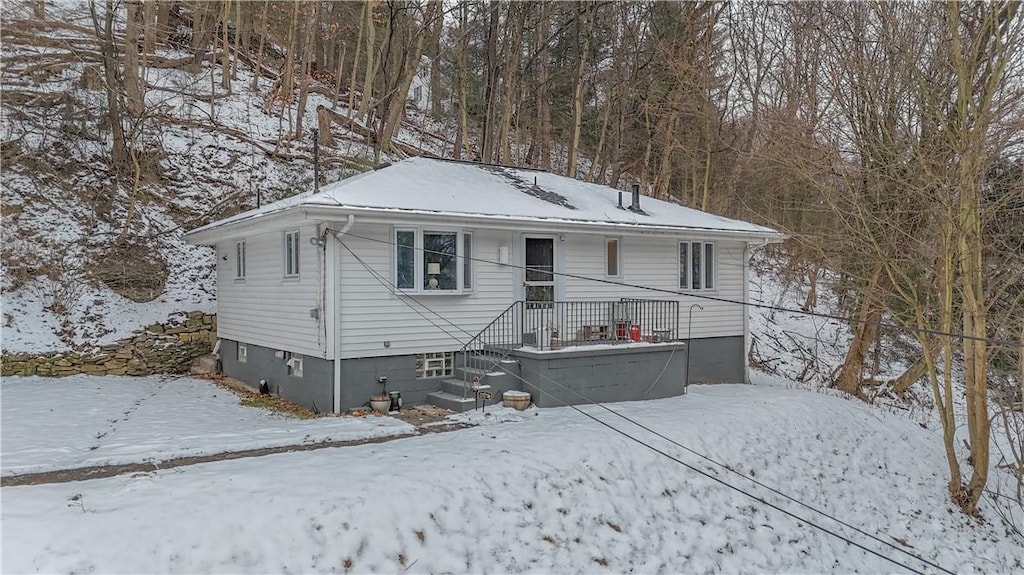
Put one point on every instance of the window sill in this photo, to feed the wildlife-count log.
(434, 293)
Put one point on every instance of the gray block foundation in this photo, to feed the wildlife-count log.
(718, 360)
(604, 374)
(580, 375)
(313, 390)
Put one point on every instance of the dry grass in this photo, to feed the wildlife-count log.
(250, 398)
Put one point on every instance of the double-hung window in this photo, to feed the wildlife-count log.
(611, 257)
(291, 254)
(240, 260)
(433, 261)
(697, 266)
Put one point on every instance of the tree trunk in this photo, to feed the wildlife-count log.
(355, 62)
(225, 71)
(512, 74)
(112, 80)
(914, 373)
(542, 130)
(259, 50)
(462, 140)
(864, 333)
(584, 16)
(491, 87)
(364, 105)
(396, 104)
(132, 82)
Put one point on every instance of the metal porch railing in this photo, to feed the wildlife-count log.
(560, 324)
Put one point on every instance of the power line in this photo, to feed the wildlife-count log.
(960, 336)
(393, 289)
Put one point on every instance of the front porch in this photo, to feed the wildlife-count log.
(572, 352)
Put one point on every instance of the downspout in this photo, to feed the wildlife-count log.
(334, 300)
(746, 312)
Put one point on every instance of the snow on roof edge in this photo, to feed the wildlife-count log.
(327, 198)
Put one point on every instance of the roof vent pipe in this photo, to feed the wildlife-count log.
(620, 199)
(636, 198)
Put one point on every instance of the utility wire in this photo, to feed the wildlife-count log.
(387, 284)
(1011, 344)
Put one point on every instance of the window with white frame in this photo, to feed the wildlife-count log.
(467, 261)
(436, 364)
(240, 260)
(433, 261)
(243, 353)
(294, 363)
(611, 257)
(697, 266)
(291, 254)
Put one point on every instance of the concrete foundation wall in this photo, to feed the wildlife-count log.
(359, 379)
(718, 360)
(315, 389)
(629, 373)
(604, 375)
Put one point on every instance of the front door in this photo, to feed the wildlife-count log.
(539, 290)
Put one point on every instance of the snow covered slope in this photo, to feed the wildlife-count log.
(554, 493)
(206, 153)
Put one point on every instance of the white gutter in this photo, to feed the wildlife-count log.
(332, 285)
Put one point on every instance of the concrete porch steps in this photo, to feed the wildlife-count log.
(446, 400)
(457, 395)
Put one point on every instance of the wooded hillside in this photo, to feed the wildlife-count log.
(885, 138)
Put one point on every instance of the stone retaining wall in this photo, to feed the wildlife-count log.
(167, 347)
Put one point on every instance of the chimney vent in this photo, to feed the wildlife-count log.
(635, 206)
(620, 200)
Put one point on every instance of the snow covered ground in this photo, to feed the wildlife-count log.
(552, 492)
(80, 421)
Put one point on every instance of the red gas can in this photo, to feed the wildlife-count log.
(634, 332)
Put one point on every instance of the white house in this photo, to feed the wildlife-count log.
(419, 89)
(433, 273)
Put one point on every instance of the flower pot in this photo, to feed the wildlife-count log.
(380, 403)
(518, 400)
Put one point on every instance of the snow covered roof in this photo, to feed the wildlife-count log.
(453, 188)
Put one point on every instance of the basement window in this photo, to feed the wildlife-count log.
(697, 266)
(435, 364)
(294, 363)
(243, 353)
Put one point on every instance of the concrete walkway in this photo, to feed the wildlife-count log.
(101, 471)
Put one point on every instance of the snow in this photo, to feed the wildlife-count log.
(430, 186)
(551, 492)
(81, 421)
(514, 393)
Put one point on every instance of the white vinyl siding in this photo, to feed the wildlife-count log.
(653, 262)
(375, 322)
(267, 309)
